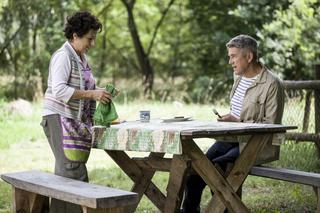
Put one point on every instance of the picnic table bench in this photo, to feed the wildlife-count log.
(306, 178)
(32, 189)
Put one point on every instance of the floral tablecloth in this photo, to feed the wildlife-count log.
(157, 136)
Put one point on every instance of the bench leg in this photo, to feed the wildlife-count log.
(110, 210)
(28, 202)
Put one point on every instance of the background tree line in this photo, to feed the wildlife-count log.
(174, 49)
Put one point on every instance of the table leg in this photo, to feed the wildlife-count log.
(240, 169)
(142, 184)
(212, 177)
(136, 174)
(178, 171)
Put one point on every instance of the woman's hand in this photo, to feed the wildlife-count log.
(229, 118)
(101, 95)
(98, 95)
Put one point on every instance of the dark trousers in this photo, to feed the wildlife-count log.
(220, 153)
(52, 127)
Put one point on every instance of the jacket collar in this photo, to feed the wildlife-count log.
(262, 78)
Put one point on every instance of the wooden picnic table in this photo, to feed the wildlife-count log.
(177, 138)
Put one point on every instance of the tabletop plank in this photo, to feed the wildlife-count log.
(157, 136)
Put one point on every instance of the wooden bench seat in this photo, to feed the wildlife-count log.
(32, 189)
(306, 178)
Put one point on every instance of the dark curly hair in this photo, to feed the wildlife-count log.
(81, 23)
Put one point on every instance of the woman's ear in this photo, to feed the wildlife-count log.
(74, 36)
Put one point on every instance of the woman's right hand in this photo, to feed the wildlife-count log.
(101, 95)
(98, 95)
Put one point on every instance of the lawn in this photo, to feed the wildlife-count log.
(23, 147)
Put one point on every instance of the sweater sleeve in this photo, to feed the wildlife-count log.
(60, 70)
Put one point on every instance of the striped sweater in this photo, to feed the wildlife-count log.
(74, 107)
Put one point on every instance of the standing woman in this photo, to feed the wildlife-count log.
(69, 102)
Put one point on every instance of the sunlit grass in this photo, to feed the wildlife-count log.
(17, 128)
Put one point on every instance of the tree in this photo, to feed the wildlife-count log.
(142, 55)
(292, 38)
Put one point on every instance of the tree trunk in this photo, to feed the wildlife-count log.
(102, 65)
(142, 57)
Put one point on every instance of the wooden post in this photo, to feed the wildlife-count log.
(317, 107)
(305, 124)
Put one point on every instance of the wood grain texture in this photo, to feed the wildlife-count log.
(28, 201)
(213, 178)
(66, 189)
(109, 210)
(158, 164)
(131, 168)
(178, 174)
(307, 178)
(240, 170)
(142, 183)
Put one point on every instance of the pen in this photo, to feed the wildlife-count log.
(216, 113)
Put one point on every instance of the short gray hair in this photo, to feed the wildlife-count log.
(245, 42)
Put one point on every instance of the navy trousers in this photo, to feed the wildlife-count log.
(220, 153)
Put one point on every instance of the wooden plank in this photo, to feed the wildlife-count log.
(311, 84)
(212, 177)
(302, 136)
(226, 130)
(177, 178)
(141, 185)
(158, 164)
(134, 172)
(306, 115)
(241, 169)
(73, 191)
(109, 210)
(24, 201)
(307, 178)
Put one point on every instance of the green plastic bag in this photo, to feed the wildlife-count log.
(106, 113)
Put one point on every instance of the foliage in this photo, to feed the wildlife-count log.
(291, 157)
(188, 46)
(292, 39)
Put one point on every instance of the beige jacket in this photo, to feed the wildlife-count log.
(264, 99)
(263, 103)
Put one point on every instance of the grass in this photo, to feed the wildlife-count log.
(28, 126)
(23, 147)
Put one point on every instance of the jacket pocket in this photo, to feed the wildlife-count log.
(253, 109)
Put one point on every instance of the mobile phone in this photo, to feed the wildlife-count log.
(216, 113)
